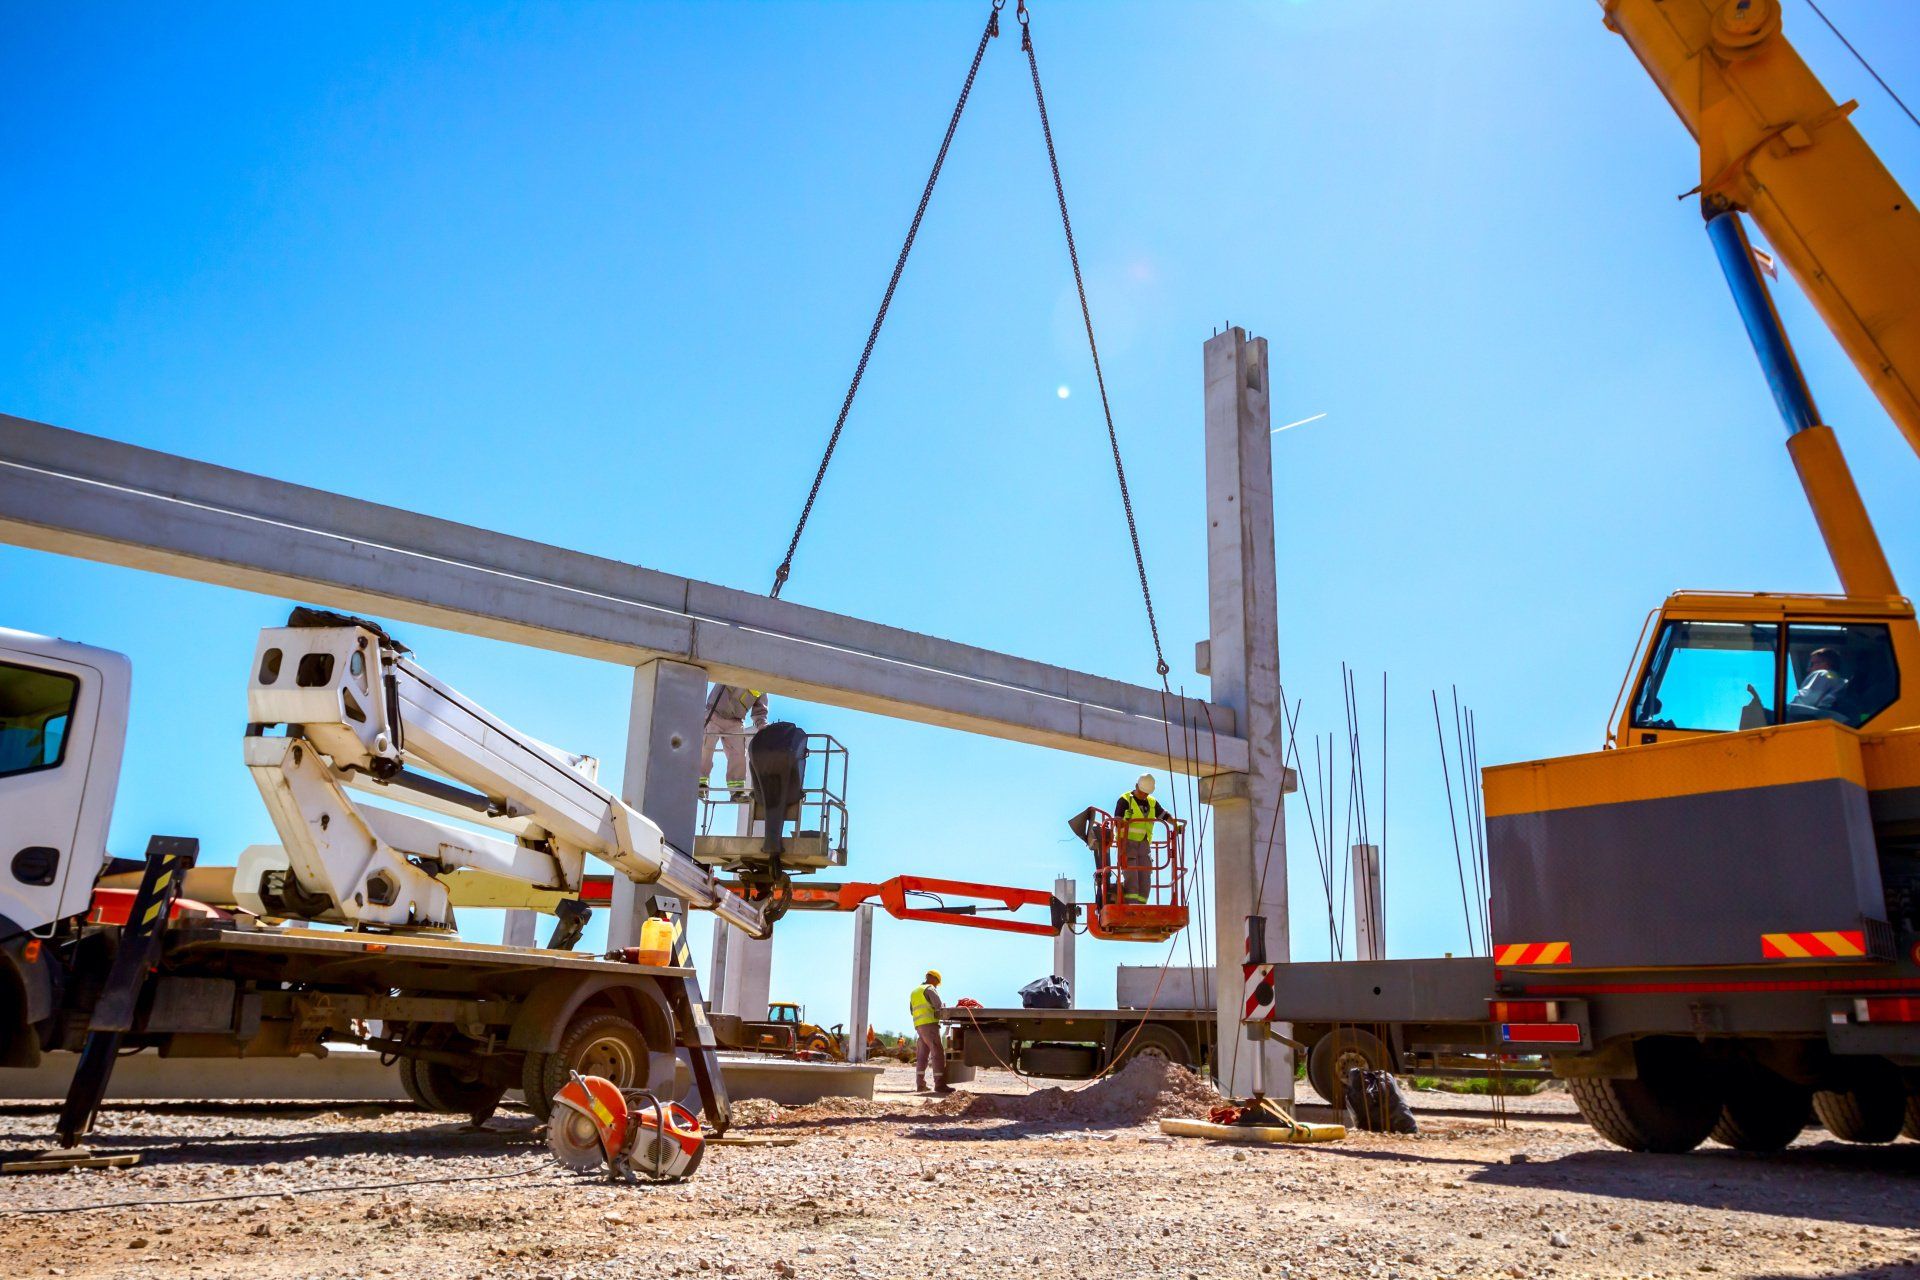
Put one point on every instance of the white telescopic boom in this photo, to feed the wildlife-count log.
(359, 713)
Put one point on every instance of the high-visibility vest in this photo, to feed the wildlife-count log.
(924, 1014)
(1140, 827)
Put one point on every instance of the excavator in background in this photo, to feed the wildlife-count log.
(1713, 923)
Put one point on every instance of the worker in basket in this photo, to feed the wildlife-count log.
(926, 1005)
(728, 707)
(1137, 817)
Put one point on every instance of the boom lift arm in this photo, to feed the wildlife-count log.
(361, 715)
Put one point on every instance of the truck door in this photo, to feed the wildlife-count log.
(48, 713)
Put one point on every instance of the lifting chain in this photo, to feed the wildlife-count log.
(1079, 283)
(886, 299)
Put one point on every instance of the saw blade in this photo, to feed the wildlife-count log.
(574, 1141)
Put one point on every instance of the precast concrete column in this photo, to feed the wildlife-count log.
(1249, 834)
(663, 771)
(1063, 941)
(1369, 915)
(748, 961)
(859, 1012)
(520, 927)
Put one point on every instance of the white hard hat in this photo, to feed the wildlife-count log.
(1145, 785)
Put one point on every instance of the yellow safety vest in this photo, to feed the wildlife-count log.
(924, 1014)
(1140, 827)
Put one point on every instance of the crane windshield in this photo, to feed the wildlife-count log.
(1711, 677)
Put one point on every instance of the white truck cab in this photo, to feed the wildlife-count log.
(63, 727)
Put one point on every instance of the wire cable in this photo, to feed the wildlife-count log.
(1861, 59)
(886, 300)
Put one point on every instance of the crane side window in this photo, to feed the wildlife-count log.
(35, 709)
(1711, 677)
(1843, 672)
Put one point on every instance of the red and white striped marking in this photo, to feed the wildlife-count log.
(1257, 1005)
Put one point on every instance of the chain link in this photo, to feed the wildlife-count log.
(886, 300)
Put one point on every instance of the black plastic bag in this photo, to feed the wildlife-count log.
(1047, 993)
(1374, 1103)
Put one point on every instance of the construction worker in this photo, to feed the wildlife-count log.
(728, 707)
(1135, 813)
(926, 1006)
(1823, 684)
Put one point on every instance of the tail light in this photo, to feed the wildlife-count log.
(1523, 1010)
(1887, 1009)
(1540, 1032)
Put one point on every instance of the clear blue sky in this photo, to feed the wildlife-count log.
(597, 274)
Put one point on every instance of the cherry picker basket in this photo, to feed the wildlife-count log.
(1139, 880)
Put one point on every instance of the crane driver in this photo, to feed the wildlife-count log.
(1822, 685)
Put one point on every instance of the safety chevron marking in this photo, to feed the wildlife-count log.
(1833, 944)
(1522, 953)
(1259, 993)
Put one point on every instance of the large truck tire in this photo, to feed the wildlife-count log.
(598, 1043)
(1671, 1107)
(1155, 1041)
(408, 1069)
(1762, 1112)
(1340, 1050)
(453, 1091)
(1870, 1106)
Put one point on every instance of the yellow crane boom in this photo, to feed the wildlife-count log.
(1775, 145)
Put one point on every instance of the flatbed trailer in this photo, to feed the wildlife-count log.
(1073, 1044)
(465, 1022)
(1424, 1017)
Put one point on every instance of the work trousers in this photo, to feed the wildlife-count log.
(732, 739)
(929, 1050)
(1136, 869)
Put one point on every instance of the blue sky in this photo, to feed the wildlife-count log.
(597, 274)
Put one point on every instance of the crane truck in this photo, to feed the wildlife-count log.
(1713, 923)
(343, 932)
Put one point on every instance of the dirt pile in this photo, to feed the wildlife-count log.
(1145, 1089)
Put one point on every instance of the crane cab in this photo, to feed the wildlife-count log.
(1139, 882)
(1718, 662)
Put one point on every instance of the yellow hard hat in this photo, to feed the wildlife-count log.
(933, 976)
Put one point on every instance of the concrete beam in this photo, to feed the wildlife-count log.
(99, 499)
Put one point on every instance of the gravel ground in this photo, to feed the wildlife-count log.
(906, 1187)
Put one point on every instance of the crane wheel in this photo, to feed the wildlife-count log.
(1870, 1106)
(1670, 1107)
(597, 1043)
(1338, 1052)
(1763, 1111)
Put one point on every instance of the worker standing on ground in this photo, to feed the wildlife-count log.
(728, 707)
(926, 1005)
(1135, 813)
